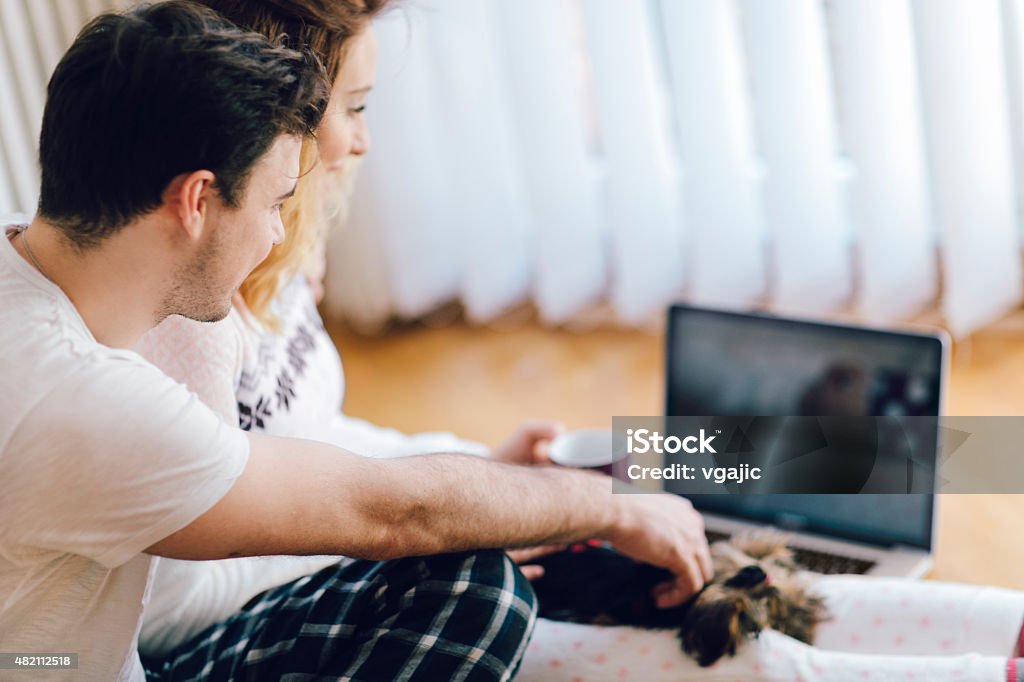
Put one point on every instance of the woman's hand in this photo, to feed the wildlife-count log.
(532, 571)
(529, 443)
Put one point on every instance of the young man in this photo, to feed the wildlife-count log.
(169, 141)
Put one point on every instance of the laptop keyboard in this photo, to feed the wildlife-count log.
(813, 560)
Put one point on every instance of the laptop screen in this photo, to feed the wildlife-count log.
(729, 364)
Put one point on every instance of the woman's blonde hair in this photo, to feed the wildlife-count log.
(326, 28)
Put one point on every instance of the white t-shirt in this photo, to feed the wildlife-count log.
(101, 456)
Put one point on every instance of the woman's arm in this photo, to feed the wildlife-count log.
(358, 435)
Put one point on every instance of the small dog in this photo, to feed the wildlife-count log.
(755, 587)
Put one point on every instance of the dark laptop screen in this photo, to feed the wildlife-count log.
(731, 364)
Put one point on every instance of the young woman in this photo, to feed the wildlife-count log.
(270, 366)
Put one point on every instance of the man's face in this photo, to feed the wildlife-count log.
(236, 240)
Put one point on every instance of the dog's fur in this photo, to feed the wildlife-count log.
(755, 587)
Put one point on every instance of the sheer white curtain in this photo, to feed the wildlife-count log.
(802, 155)
(33, 36)
(876, 71)
(716, 142)
(964, 83)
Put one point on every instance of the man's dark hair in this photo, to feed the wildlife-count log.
(158, 91)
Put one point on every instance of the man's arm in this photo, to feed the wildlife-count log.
(302, 497)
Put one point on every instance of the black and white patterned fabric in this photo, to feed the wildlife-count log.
(289, 380)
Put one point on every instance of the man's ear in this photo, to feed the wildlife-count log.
(188, 196)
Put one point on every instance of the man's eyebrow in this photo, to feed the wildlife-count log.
(290, 193)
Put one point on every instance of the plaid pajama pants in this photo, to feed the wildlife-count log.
(463, 616)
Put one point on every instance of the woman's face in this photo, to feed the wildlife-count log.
(343, 130)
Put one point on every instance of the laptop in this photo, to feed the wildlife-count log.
(721, 363)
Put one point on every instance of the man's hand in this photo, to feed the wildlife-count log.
(664, 530)
(529, 443)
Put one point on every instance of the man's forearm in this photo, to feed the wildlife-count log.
(302, 497)
(441, 503)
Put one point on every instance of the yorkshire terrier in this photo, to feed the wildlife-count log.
(755, 586)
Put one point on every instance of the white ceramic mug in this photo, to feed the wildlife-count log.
(596, 449)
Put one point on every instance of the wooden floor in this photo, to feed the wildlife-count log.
(480, 383)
